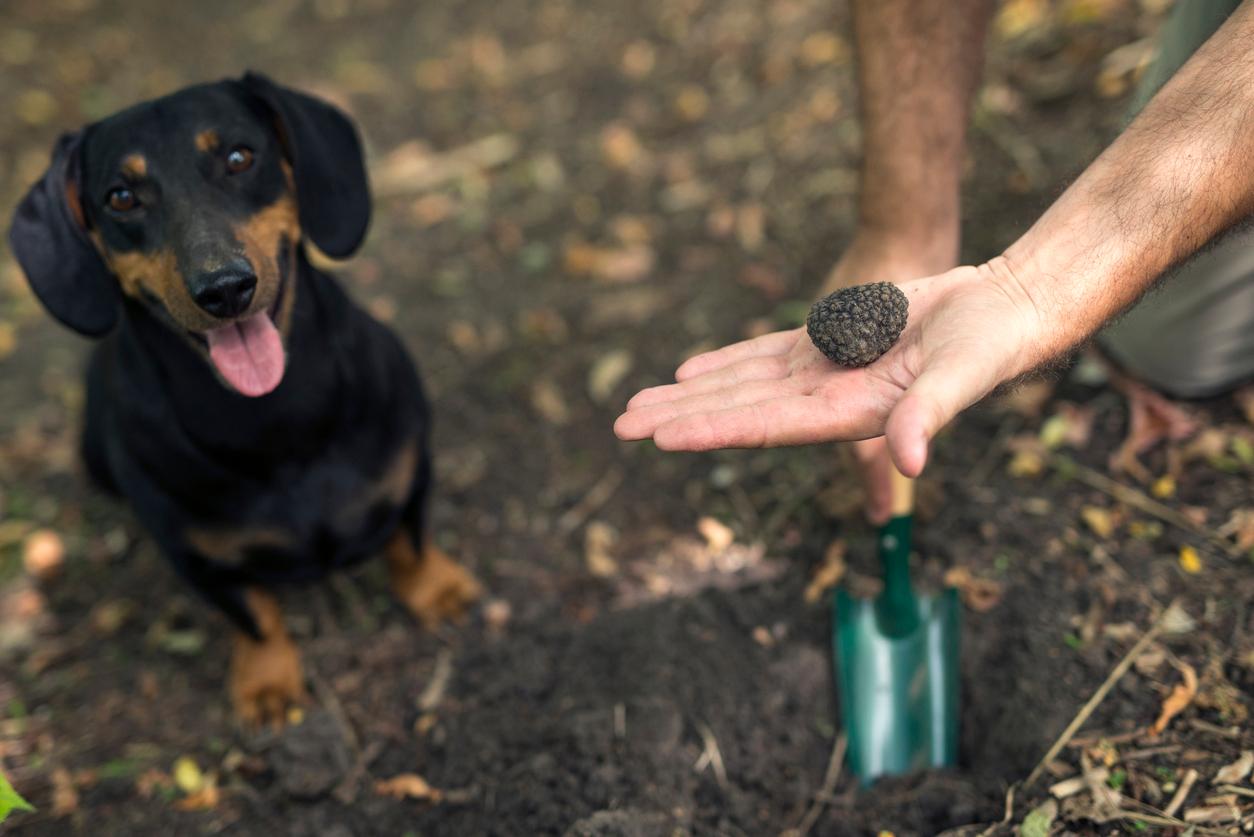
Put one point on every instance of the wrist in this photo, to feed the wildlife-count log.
(1040, 335)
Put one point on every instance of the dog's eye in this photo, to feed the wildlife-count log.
(239, 159)
(122, 200)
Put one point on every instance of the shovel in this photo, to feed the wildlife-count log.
(897, 662)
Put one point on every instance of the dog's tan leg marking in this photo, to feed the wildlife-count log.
(266, 678)
(429, 583)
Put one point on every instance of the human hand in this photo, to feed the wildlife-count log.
(897, 258)
(968, 330)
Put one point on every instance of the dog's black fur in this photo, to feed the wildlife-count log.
(284, 486)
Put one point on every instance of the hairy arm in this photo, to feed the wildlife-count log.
(1182, 173)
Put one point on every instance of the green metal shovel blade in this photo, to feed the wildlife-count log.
(897, 669)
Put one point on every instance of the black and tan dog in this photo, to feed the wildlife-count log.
(264, 428)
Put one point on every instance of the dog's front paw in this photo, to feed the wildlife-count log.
(432, 586)
(266, 680)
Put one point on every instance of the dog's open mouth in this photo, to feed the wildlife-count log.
(249, 353)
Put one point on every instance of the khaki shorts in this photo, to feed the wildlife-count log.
(1193, 336)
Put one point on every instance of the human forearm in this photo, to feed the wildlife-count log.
(919, 62)
(1181, 173)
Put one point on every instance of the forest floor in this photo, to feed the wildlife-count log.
(571, 197)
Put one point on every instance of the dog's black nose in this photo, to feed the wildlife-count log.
(227, 291)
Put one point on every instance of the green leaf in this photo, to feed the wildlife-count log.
(1037, 823)
(9, 799)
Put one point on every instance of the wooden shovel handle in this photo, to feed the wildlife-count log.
(902, 493)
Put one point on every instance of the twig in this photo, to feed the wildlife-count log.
(1010, 812)
(711, 756)
(598, 495)
(1182, 793)
(1154, 819)
(1149, 752)
(1118, 672)
(434, 692)
(1117, 738)
(328, 698)
(346, 791)
(1214, 729)
(1139, 500)
(830, 778)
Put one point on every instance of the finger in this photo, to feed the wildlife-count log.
(876, 468)
(776, 343)
(793, 420)
(639, 423)
(735, 374)
(942, 391)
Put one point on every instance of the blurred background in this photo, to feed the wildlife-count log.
(570, 198)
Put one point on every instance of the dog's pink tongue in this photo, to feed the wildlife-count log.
(248, 354)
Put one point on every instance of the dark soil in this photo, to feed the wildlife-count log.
(668, 175)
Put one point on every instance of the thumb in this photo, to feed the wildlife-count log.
(942, 391)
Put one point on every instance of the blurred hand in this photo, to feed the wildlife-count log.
(968, 330)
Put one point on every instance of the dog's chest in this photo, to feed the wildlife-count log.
(315, 517)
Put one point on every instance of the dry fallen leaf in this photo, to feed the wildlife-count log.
(187, 775)
(638, 59)
(497, 614)
(1100, 520)
(43, 554)
(1019, 16)
(64, 794)
(1164, 487)
(598, 541)
(607, 373)
(205, 799)
(1177, 701)
(718, 536)
(629, 263)
(828, 574)
(823, 47)
(1071, 425)
(979, 594)
(150, 780)
(1240, 527)
(1190, 561)
(35, 106)
(407, 786)
(692, 102)
(1236, 772)
(547, 400)
(620, 147)
(1028, 399)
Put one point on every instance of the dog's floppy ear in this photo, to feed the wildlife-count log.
(49, 238)
(325, 152)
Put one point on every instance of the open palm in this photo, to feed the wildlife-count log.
(966, 333)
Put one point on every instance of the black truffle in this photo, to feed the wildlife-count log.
(854, 326)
